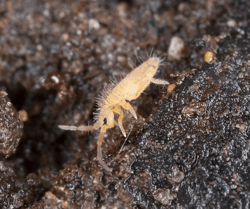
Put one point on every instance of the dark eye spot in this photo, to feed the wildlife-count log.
(105, 121)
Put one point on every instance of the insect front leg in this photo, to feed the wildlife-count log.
(159, 81)
(128, 107)
(119, 111)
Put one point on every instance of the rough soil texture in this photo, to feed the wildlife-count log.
(11, 126)
(190, 145)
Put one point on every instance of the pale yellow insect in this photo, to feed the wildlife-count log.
(116, 96)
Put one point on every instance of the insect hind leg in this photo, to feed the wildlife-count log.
(159, 81)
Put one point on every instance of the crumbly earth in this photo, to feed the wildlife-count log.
(11, 126)
(189, 147)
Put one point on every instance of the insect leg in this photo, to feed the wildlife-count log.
(79, 128)
(128, 107)
(119, 111)
(99, 149)
(159, 81)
